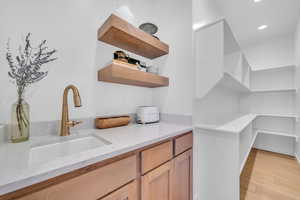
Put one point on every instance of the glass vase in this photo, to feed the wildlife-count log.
(20, 121)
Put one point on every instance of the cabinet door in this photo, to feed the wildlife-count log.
(183, 181)
(157, 184)
(128, 192)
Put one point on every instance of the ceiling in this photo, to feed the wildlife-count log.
(244, 16)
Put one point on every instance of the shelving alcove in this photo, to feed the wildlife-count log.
(236, 108)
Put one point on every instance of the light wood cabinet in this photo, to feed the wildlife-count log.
(172, 180)
(161, 171)
(183, 179)
(128, 192)
(157, 184)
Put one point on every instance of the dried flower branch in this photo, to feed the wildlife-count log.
(26, 68)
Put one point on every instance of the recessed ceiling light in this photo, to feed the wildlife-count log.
(262, 27)
(256, 1)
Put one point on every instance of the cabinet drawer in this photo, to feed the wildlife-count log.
(92, 185)
(97, 183)
(183, 143)
(128, 192)
(156, 156)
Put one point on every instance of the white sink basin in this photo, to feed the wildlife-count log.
(65, 147)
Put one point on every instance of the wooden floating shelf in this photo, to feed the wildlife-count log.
(118, 32)
(114, 73)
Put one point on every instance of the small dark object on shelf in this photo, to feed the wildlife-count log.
(123, 57)
(120, 55)
(143, 65)
(133, 61)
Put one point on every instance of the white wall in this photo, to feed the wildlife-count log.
(297, 60)
(274, 52)
(268, 103)
(205, 11)
(219, 104)
(71, 27)
(279, 78)
(178, 65)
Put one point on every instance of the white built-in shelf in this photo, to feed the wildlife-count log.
(274, 68)
(248, 152)
(233, 83)
(275, 90)
(240, 122)
(276, 133)
(274, 80)
(232, 125)
(235, 124)
(225, 62)
(278, 115)
(230, 81)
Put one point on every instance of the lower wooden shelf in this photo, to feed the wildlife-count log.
(114, 73)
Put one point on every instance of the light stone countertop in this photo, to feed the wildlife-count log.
(17, 172)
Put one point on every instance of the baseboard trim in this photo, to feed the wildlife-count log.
(195, 197)
(297, 158)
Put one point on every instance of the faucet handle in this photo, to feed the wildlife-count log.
(74, 123)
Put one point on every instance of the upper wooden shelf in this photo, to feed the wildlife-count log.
(118, 32)
(115, 73)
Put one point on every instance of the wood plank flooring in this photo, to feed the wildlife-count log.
(270, 176)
